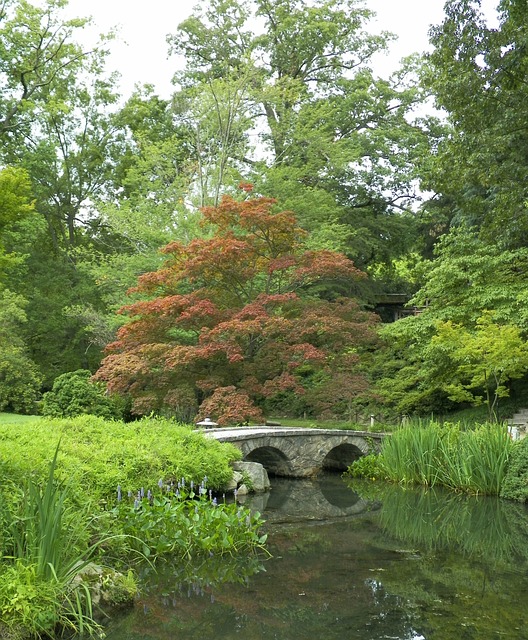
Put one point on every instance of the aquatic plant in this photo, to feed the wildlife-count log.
(39, 561)
(473, 461)
(184, 520)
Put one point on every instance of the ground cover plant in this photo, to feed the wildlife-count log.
(470, 460)
(63, 510)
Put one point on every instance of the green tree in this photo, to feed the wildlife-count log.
(336, 146)
(467, 280)
(56, 124)
(477, 74)
(480, 362)
(20, 379)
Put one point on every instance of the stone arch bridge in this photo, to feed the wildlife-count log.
(297, 452)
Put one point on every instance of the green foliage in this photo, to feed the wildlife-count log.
(55, 520)
(471, 461)
(98, 455)
(20, 379)
(74, 394)
(481, 361)
(184, 521)
(29, 605)
(515, 485)
(38, 591)
(480, 165)
(340, 149)
(467, 342)
(368, 467)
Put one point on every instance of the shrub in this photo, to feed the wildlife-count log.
(515, 485)
(368, 467)
(74, 394)
(97, 455)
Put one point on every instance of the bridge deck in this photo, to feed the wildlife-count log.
(240, 433)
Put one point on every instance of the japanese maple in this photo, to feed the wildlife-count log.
(235, 320)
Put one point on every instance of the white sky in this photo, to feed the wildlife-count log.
(141, 54)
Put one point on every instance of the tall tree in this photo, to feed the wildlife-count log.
(55, 122)
(478, 74)
(334, 142)
(19, 376)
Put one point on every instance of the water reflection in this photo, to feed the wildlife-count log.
(322, 498)
(371, 563)
(436, 519)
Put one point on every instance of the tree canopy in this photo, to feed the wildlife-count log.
(247, 312)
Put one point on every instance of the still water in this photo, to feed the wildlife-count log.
(361, 563)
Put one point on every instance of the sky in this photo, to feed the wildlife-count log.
(140, 55)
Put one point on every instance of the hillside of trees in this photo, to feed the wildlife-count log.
(225, 252)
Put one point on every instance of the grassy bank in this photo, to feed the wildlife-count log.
(83, 493)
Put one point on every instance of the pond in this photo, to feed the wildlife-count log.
(364, 563)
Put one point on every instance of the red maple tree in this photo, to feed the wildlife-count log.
(234, 321)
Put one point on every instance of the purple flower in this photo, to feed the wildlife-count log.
(160, 483)
(119, 496)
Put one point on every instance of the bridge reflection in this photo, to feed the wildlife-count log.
(292, 500)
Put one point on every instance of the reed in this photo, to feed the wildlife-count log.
(474, 461)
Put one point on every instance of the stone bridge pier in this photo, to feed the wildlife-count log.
(299, 453)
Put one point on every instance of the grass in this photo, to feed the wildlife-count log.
(10, 418)
(470, 460)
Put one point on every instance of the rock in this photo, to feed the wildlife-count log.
(231, 485)
(242, 490)
(109, 589)
(255, 473)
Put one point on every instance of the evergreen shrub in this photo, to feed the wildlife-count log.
(74, 394)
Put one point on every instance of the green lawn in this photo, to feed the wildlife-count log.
(6, 418)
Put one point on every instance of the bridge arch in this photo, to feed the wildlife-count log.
(340, 457)
(272, 459)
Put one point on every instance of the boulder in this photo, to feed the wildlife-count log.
(256, 475)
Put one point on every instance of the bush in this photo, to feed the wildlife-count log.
(74, 394)
(56, 520)
(515, 485)
(97, 455)
(368, 467)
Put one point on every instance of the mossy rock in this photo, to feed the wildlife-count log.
(109, 589)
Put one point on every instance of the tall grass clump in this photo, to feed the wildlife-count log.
(473, 461)
(39, 560)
